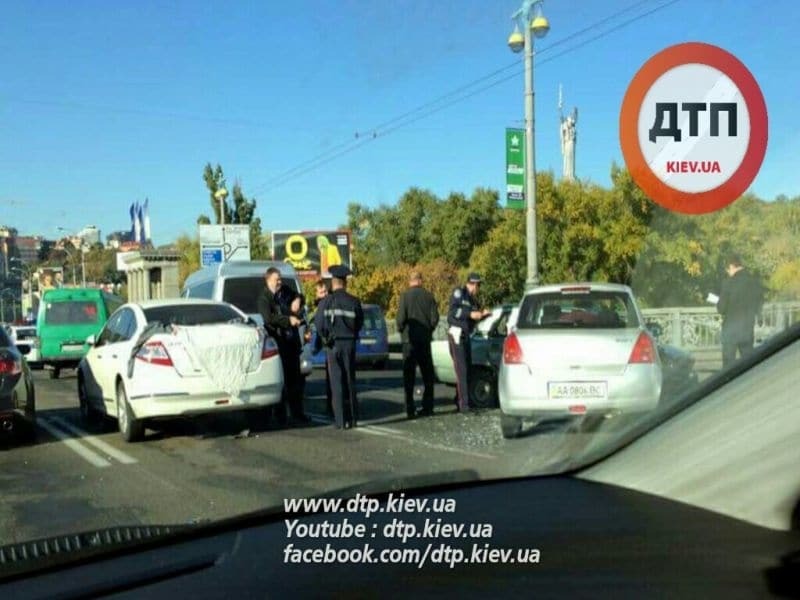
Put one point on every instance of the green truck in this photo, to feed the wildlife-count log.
(67, 316)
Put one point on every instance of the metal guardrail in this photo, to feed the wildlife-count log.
(692, 328)
(698, 327)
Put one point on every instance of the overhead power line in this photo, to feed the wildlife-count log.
(460, 94)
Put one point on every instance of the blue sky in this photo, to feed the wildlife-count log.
(101, 106)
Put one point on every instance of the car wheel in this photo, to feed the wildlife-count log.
(483, 389)
(132, 429)
(55, 372)
(89, 414)
(511, 426)
(28, 431)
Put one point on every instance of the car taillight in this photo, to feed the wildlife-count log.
(155, 353)
(512, 351)
(644, 351)
(269, 349)
(9, 366)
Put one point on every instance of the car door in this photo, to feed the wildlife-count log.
(118, 349)
(496, 338)
(96, 357)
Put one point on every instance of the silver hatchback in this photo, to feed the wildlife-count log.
(577, 350)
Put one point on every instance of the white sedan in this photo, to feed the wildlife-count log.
(577, 350)
(168, 358)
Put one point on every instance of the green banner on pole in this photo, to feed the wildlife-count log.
(515, 168)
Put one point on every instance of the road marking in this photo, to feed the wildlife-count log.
(386, 432)
(119, 455)
(73, 444)
(318, 418)
(325, 420)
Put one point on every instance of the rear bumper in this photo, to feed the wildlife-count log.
(175, 405)
(521, 395)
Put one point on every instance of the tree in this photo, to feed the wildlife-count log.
(189, 249)
(240, 211)
(501, 260)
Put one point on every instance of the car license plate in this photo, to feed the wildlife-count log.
(369, 342)
(72, 347)
(577, 390)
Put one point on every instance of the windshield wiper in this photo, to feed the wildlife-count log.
(58, 550)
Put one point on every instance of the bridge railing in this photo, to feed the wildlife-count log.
(697, 328)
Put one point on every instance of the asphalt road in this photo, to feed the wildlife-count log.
(74, 479)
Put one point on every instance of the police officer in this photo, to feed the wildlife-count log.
(338, 320)
(462, 316)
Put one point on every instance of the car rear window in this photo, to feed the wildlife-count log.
(592, 310)
(373, 319)
(243, 292)
(25, 333)
(191, 314)
(4, 341)
(71, 312)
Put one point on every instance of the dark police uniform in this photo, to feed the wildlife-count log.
(338, 321)
(458, 315)
(318, 348)
(740, 301)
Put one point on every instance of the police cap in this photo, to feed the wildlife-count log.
(340, 271)
(474, 278)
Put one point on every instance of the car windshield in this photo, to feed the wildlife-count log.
(569, 224)
(243, 292)
(191, 314)
(71, 312)
(590, 310)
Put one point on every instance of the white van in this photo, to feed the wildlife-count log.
(240, 283)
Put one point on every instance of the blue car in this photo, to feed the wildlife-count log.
(373, 341)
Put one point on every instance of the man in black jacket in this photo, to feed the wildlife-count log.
(740, 300)
(283, 328)
(417, 318)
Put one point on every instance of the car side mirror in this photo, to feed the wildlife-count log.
(91, 340)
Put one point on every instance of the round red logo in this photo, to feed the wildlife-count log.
(693, 128)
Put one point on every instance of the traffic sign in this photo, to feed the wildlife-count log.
(210, 256)
(515, 168)
(693, 128)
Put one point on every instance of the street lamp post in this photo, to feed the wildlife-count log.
(26, 271)
(220, 195)
(538, 26)
(83, 265)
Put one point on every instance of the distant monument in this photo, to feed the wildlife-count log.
(568, 139)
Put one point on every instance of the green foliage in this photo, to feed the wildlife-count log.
(585, 233)
(189, 249)
(238, 211)
(501, 260)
